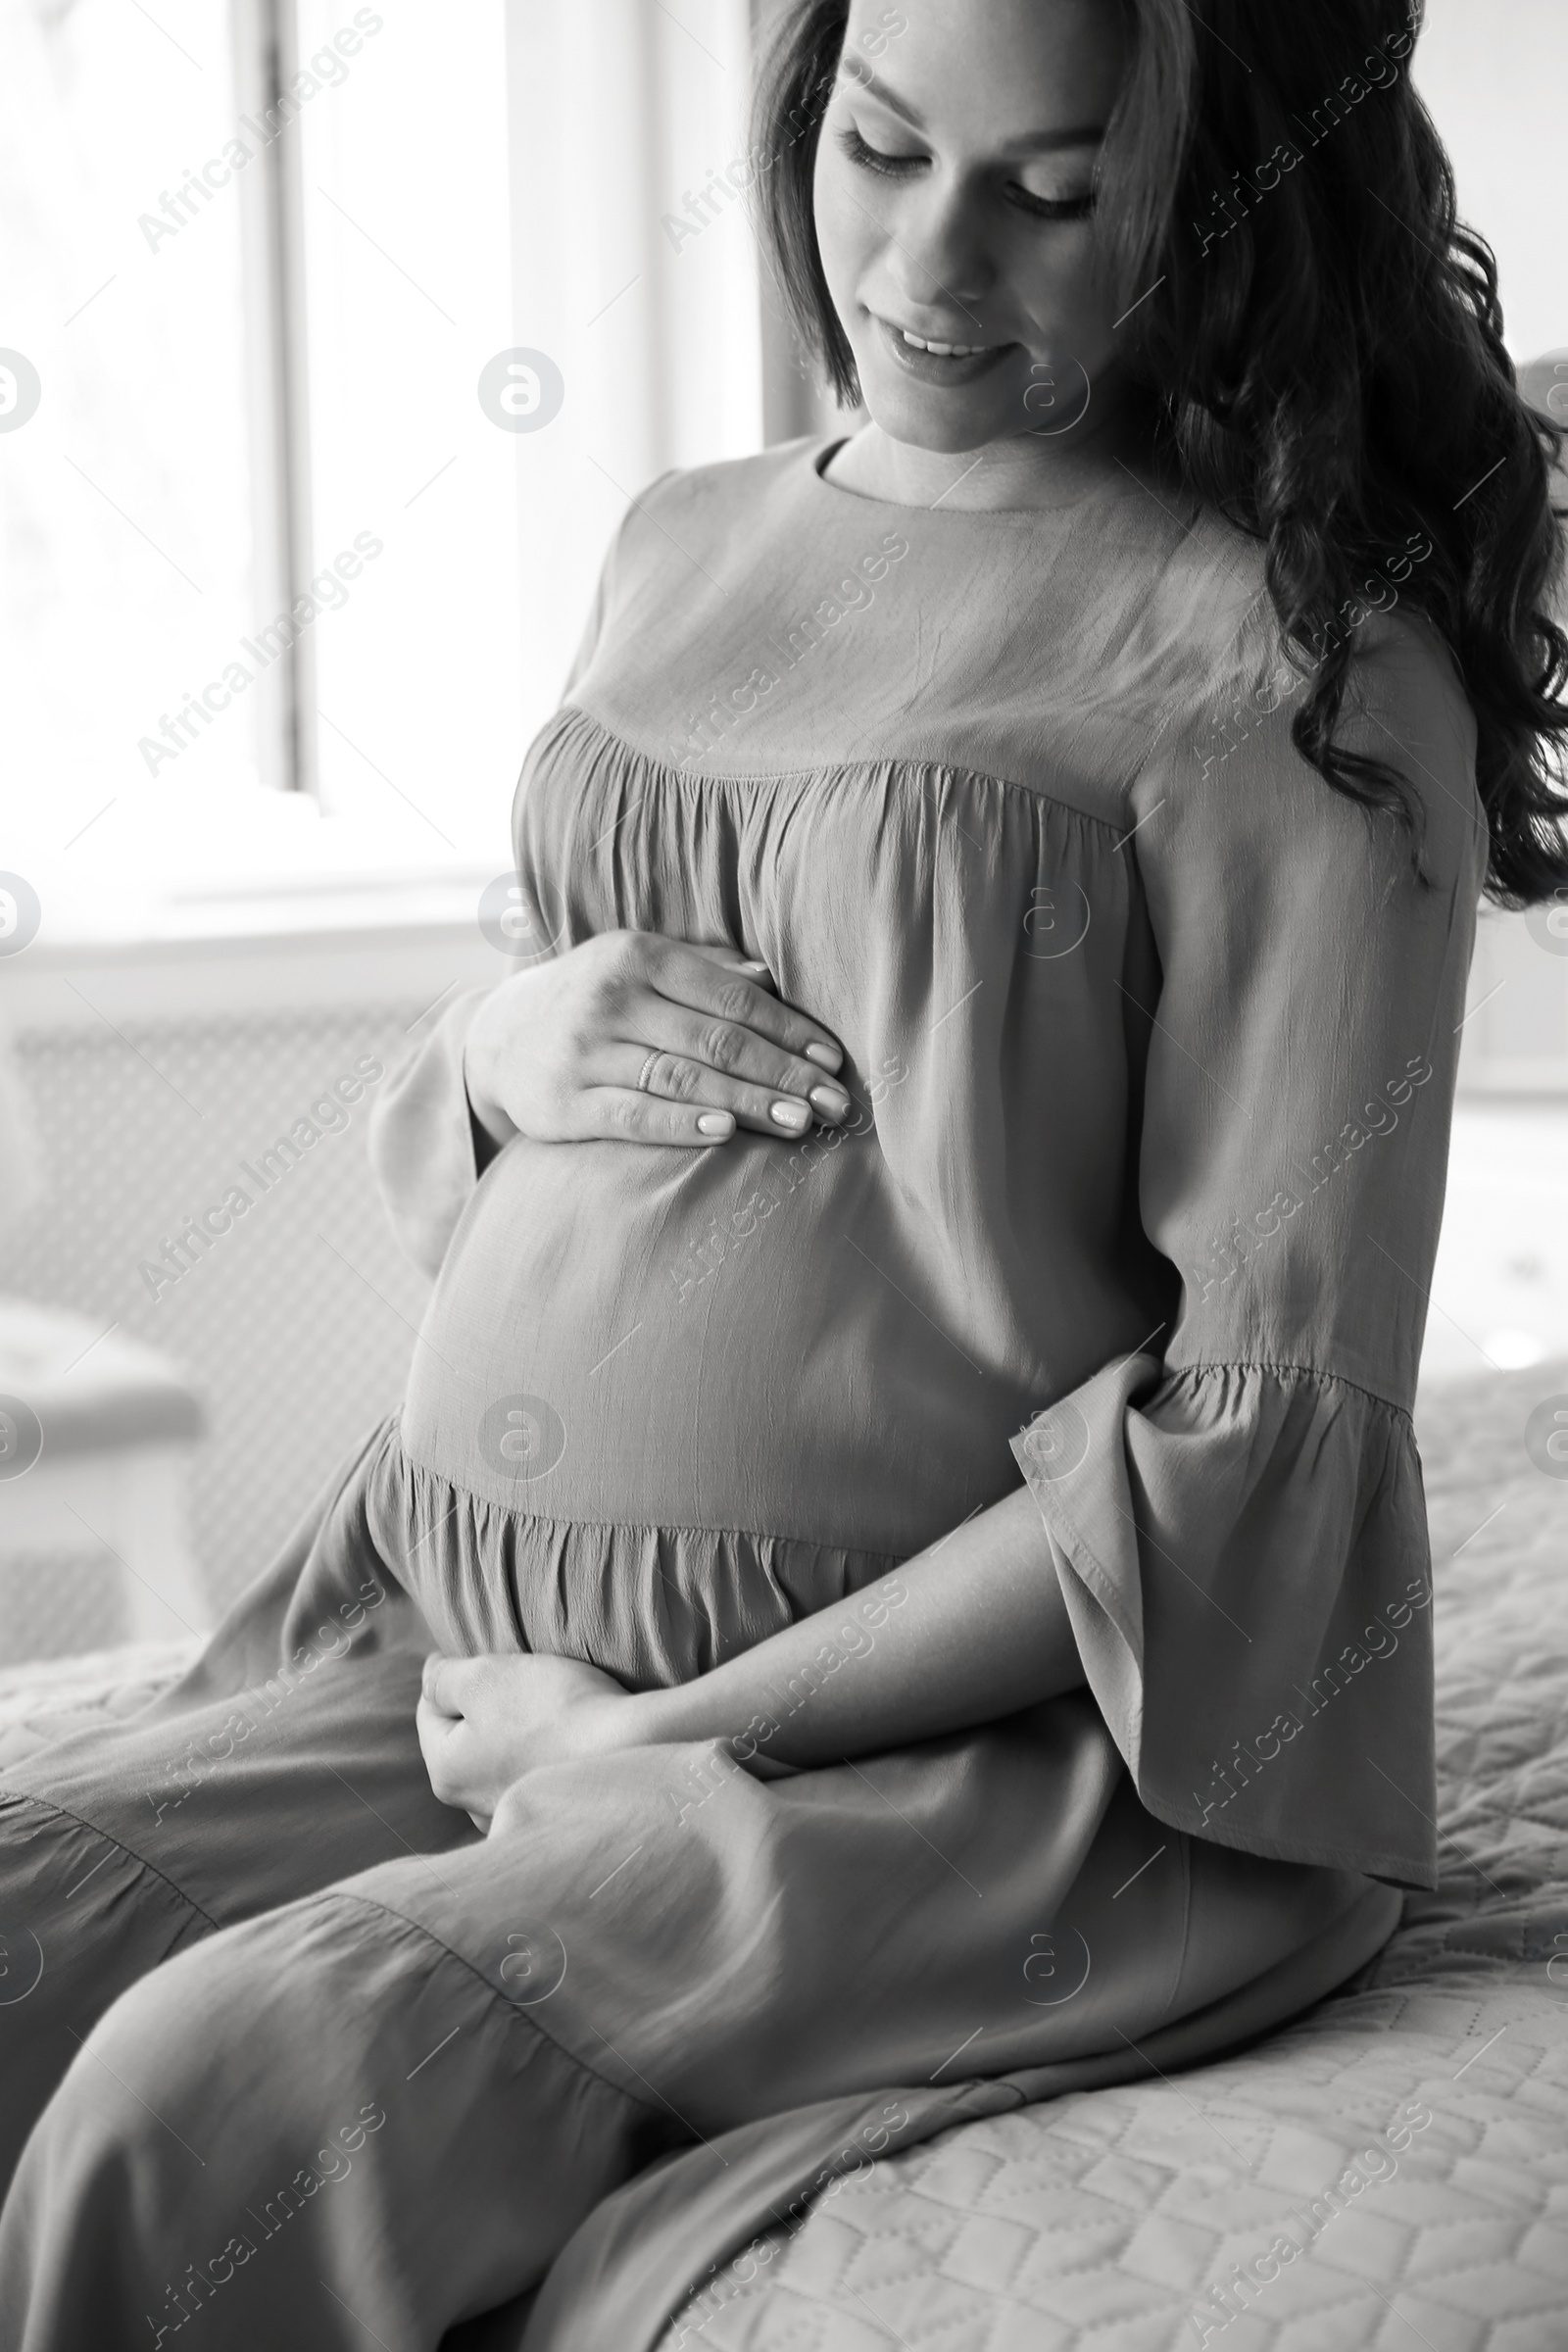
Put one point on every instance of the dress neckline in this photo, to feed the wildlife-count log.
(820, 453)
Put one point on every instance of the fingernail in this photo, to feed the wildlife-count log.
(716, 1122)
(826, 1057)
(794, 1115)
(830, 1102)
(751, 966)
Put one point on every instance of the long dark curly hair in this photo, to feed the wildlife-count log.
(1324, 349)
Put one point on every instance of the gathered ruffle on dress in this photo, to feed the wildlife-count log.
(650, 1605)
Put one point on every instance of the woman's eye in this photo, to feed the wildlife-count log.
(875, 159)
(1053, 208)
(897, 167)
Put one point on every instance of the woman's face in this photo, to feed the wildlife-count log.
(952, 197)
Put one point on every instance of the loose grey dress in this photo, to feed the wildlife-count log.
(1152, 1041)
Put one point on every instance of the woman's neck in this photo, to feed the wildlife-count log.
(1024, 471)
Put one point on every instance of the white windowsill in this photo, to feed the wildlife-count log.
(256, 956)
(306, 908)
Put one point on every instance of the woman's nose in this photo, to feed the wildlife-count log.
(941, 252)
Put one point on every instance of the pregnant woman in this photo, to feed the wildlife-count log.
(900, 1580)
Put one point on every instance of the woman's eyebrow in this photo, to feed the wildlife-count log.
(1033, 143)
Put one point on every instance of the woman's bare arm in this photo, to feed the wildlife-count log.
(972, 1629)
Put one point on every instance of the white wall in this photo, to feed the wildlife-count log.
(1494, 73)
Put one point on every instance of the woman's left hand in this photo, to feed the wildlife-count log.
(484, 1722)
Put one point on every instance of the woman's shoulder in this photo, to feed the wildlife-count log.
(701, 531)
(1224, 763)
(732, 493)
(1208, 629)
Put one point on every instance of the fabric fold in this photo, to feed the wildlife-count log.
(1242, 1552)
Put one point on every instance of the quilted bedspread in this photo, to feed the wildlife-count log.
(1391, 2171)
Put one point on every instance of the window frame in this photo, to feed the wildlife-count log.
(266, 47)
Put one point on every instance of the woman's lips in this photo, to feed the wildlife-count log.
(936, 366)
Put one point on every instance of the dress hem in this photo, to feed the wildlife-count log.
(1387, 1868)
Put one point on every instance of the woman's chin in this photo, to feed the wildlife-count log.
(941, 422)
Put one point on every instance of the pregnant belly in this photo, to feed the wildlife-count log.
(741, 1338)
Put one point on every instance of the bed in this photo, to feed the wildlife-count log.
(1391, 2171)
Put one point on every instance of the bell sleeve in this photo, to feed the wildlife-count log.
(1234, 1512)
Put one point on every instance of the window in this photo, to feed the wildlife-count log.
(125, 498)
(291, 583)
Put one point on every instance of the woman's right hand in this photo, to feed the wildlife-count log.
(646, 1040)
